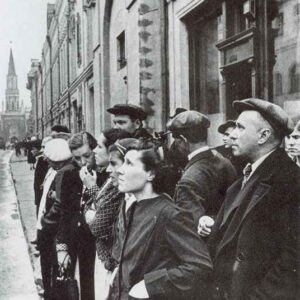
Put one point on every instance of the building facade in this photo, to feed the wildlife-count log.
(12, 119)
(196, 54)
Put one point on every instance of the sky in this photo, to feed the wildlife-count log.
(23, 23)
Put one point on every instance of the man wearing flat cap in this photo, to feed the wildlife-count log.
(130, 118)
(253, 242)
(207, 175)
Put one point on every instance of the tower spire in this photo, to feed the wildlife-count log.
(11, 65)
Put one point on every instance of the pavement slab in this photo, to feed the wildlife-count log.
(16, 273)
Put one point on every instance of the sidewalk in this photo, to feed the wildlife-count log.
(16, 275)
(23, 180)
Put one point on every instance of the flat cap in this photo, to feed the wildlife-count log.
(178, 110)
(223, 127)
(273, 113)
(131, 110)
(57, 150)
(189, 119)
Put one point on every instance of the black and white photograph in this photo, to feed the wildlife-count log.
(150, 149)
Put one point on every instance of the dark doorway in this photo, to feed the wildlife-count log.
(238, 86)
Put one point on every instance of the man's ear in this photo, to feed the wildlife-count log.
(138, 123)
(151, 176)
(265, 134)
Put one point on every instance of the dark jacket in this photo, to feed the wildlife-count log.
(40, 172)
(68, 193)
(254, 240)
(204, 182)
(49, 221)
(142, 133)
(159, 245)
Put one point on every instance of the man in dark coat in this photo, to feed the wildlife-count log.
(254, 240)
(207, 175)
(130, 118)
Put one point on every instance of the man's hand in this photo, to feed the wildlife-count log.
(90, 216)
(139, 291)
(87, 178)
(204, 226)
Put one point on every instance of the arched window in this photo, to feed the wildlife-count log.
(295, 78)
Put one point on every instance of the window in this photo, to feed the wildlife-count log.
(204, 67)
(278, 84)
(121, 53)
(295, 79)
(236, 20)
(78, 38)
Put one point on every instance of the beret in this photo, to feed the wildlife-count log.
(271, 112)
(189, 119)
(61, 135)
(57, 150)
(129, 110)
(223, 127)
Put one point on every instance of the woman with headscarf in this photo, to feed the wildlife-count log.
(59, 157)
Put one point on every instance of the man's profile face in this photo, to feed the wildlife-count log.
(226, 138)
(245, 135)
(84, 156)
(124, 122)
(293, 143)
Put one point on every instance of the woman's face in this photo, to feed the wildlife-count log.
(101, 153)
(115, 162)
(132, 177)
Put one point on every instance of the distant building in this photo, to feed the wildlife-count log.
(12, 119)
(197, 54)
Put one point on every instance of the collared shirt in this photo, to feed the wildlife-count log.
(195, 152)
(129, 200)
(50, 176)
(256, 164)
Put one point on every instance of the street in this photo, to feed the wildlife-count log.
(16, 272)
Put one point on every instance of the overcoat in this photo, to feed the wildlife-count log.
(73, 230)
(204, 182)
(157, 243)
(255, 237)
(40, 172)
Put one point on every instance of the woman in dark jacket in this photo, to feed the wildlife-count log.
(159, 253)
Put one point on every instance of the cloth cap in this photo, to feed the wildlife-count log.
(178, 110)
(273, 113)
(223, 127)
(133, 111)
(189, 119)
(57, 150)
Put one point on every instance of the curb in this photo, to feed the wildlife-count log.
(30, 254)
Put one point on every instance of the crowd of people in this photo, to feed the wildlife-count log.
(147, 220)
